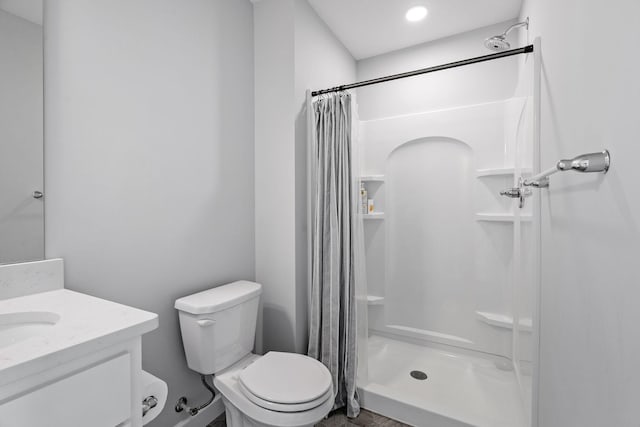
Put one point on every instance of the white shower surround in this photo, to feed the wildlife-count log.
(445, 310)
(436, 176)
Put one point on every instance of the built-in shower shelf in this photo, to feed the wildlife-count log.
(374, 215)
(504, 321)
(375, 300)
(372, 178)
(500, 217)
(372, 299)
(500, 172)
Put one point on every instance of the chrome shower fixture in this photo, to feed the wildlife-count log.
(499, 43)
(590, 162)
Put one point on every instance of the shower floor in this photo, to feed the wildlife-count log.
(461, 390)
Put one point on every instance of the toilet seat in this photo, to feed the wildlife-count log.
(286, 382)
(238, 404)
(283, 407)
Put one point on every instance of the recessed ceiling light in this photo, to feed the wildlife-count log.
(416, 13)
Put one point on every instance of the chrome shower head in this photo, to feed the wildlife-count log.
(499, 43)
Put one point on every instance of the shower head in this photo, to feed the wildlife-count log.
(499, 43)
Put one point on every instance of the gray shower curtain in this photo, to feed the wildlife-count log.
(334, 269)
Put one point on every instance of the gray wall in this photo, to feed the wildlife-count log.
(21, 216)
(294, 51)
(590, 223)
(320, 61)
(149, 157)
(275, 174)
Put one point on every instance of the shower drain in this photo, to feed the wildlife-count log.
(418, 375)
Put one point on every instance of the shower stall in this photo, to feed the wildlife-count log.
(450, 266)
(448, 322)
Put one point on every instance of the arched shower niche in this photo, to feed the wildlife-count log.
(429, 207)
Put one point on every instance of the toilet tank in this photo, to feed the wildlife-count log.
(219, 325)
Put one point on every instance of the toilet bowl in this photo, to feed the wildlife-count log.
(264, 403)
(277, 389)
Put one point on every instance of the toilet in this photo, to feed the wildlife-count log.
(278, 389)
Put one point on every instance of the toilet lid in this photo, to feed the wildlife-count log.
(287, 407)
(286, 379)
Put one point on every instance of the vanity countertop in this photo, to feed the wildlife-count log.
(86, 324)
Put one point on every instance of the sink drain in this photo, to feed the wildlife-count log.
(418, 375)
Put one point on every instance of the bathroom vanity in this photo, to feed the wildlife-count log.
(66, 358)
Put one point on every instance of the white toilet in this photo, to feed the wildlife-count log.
(278, 389)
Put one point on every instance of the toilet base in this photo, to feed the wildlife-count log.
(235, 418)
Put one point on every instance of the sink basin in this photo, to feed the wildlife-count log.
(19, 326)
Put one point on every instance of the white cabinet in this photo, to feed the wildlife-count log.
(98, 389)
(83, 370)
(98, 396)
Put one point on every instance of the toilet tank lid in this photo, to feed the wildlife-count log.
(219, 298)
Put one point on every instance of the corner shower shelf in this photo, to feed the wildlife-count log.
(374, 215)
(504, 321)
(371, 299)
(375, 300)
(500, 172)
(372, 178)
(501, 217)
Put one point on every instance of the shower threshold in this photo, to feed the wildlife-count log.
(456, 390)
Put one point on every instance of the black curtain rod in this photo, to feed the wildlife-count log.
(526, 49)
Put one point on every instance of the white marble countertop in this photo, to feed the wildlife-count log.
(87, 324)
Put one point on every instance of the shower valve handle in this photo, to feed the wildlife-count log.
(519, 192)
(516, 192)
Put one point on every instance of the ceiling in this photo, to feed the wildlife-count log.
(31, 10)
(372, 27)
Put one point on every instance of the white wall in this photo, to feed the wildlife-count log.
(591, 223)
(474, 84)
(149, 157)
(21, 216)
(294, 51)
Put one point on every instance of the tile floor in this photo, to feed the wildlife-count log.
(338, 419)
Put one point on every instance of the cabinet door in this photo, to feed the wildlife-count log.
(99, 396)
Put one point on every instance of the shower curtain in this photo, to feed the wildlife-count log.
(337, 245)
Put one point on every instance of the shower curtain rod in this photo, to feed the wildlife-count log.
(526, 49)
